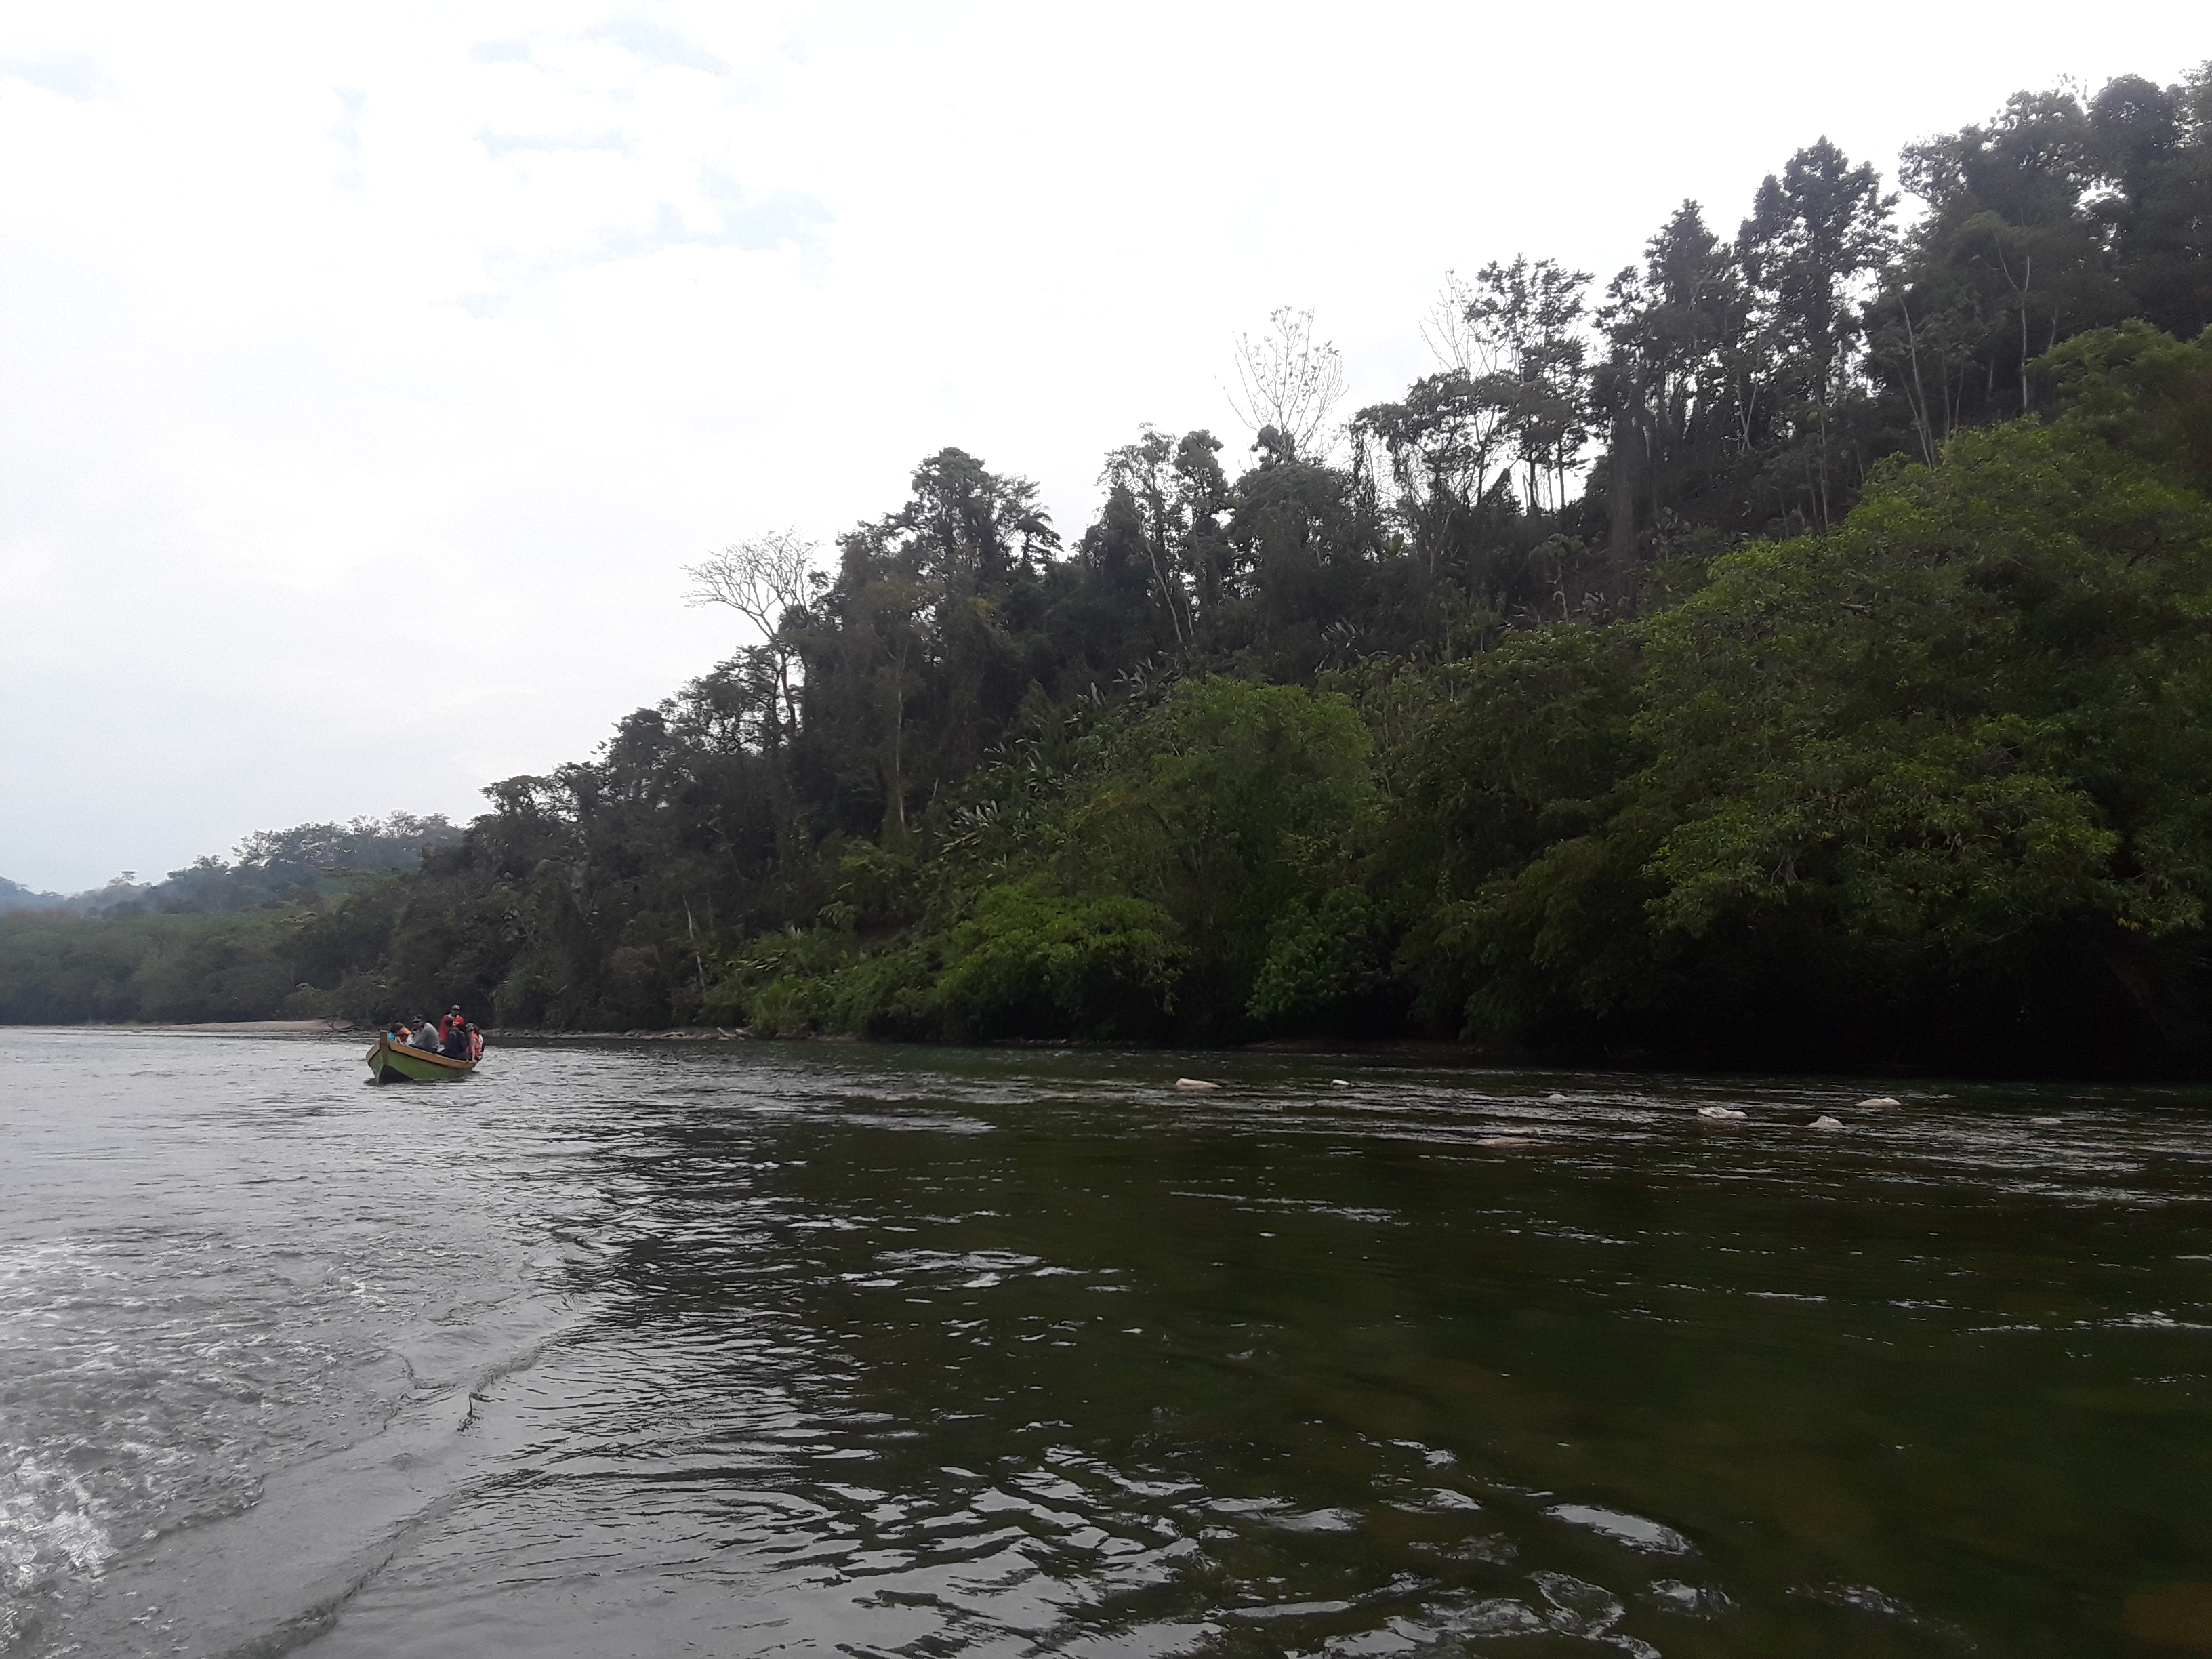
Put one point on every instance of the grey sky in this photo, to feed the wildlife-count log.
(368, 375)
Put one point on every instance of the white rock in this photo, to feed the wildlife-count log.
(1340, 1083)
(1555, 1099)
(1508, 1140)
(1827, 1123)
(2045, 1122)
(1718, 1111)
(1195, 1086)
(1880, 1100)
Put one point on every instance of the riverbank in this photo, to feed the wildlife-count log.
(1390, 1048)
(294, 1028)
(236, 1028)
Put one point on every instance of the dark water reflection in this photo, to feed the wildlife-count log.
(778, 1350)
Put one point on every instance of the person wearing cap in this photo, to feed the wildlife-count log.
(425, 1037)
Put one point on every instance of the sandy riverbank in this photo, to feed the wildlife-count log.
(288, 1028)
(675, 1034)
(243, 1028)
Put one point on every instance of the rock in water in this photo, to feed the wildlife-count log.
(1825, 1122)
(1340, 1083)
(1195, 1086)
(1555, 1099)
(2045, 1122)
(1508, 1140)
(1718, 1111)
(1880, 1100)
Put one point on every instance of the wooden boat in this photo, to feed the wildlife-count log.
(393, 1062)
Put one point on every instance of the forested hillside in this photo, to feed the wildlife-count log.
(1793, 651)
(221, 938)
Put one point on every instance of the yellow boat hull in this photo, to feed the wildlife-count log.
(391, 1062)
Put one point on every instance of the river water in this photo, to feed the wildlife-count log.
(765, 1349)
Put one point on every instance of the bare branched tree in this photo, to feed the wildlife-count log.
(1290, 381)
(762, 579)
(1453, 338)
(759, 578)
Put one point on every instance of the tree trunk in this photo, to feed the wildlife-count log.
(1620, 504)
(1919, 391)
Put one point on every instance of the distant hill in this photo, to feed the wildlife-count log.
(14, 895)
(270, 867)
(222, 939)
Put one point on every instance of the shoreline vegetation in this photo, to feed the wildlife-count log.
(1790, 654)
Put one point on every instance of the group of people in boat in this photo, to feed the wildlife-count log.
(451, 1036)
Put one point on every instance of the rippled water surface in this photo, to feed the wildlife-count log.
(765, 1349)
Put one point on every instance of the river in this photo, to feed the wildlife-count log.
(651, 1349)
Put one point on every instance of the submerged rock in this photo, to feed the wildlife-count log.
(1879, 1101)
(1719, 1111)
(1193, 1085)
(1824, 1122)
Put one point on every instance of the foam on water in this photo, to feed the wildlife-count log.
(50, 1533)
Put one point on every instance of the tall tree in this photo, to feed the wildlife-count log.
(1680, 384)
(1816, 236)
(1529, 315)
(1173, 492)
(763, 579)
(2155, 146)
(927, 617)
(1446, 445)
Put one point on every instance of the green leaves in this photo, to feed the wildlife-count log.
(1973, 710)
(1324, 960)
(1963, 743)
(1029, 962)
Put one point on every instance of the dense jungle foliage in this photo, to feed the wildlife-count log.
(1797, 654)
(222, 938)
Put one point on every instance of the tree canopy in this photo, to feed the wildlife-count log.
(1794, 652)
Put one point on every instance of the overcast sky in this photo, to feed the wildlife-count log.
(368, 373)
